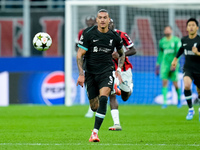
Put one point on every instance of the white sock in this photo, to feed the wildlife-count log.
(191, 108)
(115, 116)
(89, 109)
(96, 131)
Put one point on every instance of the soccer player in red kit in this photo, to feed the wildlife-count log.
(126, 87)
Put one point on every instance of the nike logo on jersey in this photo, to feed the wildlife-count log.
(184, 44)
(195, 44)
(95, 40)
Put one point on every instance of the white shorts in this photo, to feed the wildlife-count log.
(127, 84)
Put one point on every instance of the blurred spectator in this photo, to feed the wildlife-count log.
(58, 6)
(14, 5)
(89, 21)
(39, 6)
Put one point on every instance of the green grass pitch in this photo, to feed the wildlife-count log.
(25, 127)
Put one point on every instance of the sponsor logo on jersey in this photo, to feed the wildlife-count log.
(188, 52)
(168, 51)
(184, 44)
(106, 50)
(95, 49)
(111, 40)
(101, 49)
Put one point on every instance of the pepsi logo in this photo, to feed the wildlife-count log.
(53, 88)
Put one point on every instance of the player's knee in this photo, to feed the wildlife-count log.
(165, 82)
(124, 98)
(187, 87)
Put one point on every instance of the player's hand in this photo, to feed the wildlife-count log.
(173, 64)
(81, 80)
(157, 72)
(118, 75)
(115, 55)
(195, 50)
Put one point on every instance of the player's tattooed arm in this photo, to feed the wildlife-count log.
(121, 58)
(120, 64)
(79, 59)
(80, 65)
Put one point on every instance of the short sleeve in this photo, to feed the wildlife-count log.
(119, 42)
(127, 40)
(83, 42)
(181, 44)
(178, 44)
(181, 50)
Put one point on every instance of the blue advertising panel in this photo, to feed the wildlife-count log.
(41, 81)
(39, 88)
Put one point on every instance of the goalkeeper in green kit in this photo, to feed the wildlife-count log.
(168, 48)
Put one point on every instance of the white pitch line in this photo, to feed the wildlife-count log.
(103, 144)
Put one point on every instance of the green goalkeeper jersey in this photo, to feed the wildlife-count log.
(168, 50)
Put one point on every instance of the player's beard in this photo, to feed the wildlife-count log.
(167, 35)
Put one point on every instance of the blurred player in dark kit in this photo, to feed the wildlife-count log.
(97, 44)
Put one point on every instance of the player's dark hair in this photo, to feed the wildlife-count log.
(102, 10)
(192, 19)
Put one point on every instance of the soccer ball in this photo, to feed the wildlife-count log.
(42, 41)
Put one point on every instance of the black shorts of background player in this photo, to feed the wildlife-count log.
(97, 44)
(191, 48)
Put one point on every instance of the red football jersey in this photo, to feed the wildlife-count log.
(127, 42)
